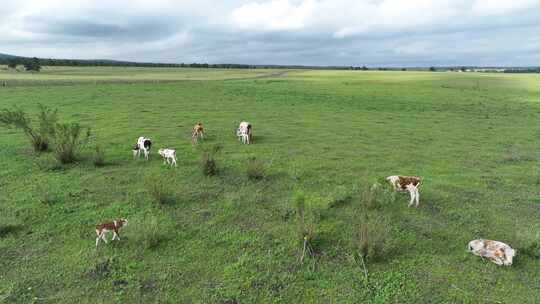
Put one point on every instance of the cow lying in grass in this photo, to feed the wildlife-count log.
(197, 132)
(143, 144)
(244, 132)
(169, 156)
(495, 251)
(113, 226)
(406, 183)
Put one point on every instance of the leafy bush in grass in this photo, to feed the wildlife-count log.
(255, 169)
(69, 139)
(40, 135)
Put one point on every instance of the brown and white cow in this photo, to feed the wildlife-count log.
(406, 183)
(197, 132)
(113, 226)
(495, 251)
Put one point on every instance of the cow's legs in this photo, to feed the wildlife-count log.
(417, 196)
(103, 237)
(411, 192)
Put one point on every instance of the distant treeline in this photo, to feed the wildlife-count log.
(13, 61)
(35, 64)
(522, 70)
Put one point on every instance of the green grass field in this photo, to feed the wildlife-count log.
(473, 138)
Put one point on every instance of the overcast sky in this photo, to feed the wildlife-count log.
(308, 32)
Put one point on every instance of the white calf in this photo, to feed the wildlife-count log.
(244, 132)
(169, 156)
(495, 251)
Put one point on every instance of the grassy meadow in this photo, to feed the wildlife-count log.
(474, 139)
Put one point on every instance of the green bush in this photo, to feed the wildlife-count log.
(39, 136)
(209, 164)
(69, 139)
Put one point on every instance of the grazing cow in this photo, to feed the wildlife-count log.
(495, 251)
(113, 226)
(244, 132)
(143, 144)
(169, 156)
(406, 183)
(197, 132)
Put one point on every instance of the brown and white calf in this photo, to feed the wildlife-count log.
(407, 183)
(113, 226)
(495, 251)
(244, 132)
(197, 132)
(169, 156)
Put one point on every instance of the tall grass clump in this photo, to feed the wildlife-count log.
(370, 240)
(209, 164)
(306, 224)
(69, 139)
(148, 234)
(40, 135)
(255, 169)
(376, 196)
(159, 192)
(98, 158)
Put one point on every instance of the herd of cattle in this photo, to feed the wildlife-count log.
(495, 251)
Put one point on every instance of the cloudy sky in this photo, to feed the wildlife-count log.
(309, 32)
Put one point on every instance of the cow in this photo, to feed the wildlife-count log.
(495, 251)
(113, 226)
(244, 132)
(143, 144)
(406, 183)
(197, 132)
(169, 156)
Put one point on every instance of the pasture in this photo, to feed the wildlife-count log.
(473, 138)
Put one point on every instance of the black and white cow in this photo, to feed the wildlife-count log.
(143, 144)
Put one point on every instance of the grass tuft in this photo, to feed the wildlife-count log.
(255, 169)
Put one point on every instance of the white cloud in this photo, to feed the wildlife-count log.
(274, 15)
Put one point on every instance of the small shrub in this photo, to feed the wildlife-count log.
(48, 198)
(370, 240)
(160, 194)
(209, 165)
(100, 270)
(148, 234)
(98, 158)
(255, 169)
(69, 139)
(512, 154)
(39, 137)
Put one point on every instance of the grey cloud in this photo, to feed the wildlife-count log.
(172, 31)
